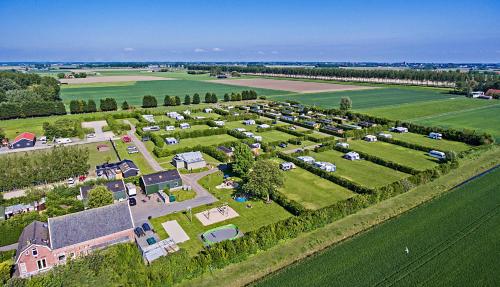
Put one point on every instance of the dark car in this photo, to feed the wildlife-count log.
(132, 201)
(283, 145)
(146, 227)
(139, 232)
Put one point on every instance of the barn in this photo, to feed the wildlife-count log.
(23, 140)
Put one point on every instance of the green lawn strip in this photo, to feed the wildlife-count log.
(304, 144)
(484, 120)
(362, 172)
(212, 116)
(260, 214)
(134, 93)
(137, 158)
(364, 99)
(307, 244)
(418, 110)
(203, 141)
(424, 140)
(192, 128)
(439, 234)
(98, 85)
(274, 135)
(310, 190)
(239, 124)
(181, 195)
(408, 157)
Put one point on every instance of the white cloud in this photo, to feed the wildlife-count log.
(199, 50)
(217, 49)
(128, 49)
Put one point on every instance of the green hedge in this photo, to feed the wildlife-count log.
(11, 228)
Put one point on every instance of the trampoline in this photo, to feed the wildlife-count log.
(218, 234)
(240, 199)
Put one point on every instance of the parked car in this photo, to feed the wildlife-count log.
(63, 140)
(139, 232)
(82, 178)
(71, 181)
(146, 227)
(132, 201)
(91, 136)
(283, 145)
(132, 149)
(43, 140)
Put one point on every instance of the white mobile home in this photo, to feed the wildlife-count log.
(219, 123)
(306, 159)
(352, 155)
(249, 122)
(385, 135)
(208, 110)
(370, 138)
(437, 154)
(399, 129)
(184, 126)
(342, 145)
(326, 166)
(436, 136)
(170, 128)
(287, 166)
(171, 141)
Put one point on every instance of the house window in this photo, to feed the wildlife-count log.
(41, 264)
(34, 251)
(62, 257)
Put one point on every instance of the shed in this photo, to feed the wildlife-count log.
(163, 180)
(23, 140)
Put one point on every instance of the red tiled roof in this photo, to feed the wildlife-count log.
(28, 136)
(493, 91)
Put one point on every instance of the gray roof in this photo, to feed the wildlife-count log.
(113, 186)
(160, 177)
(190, 157)
(35, 233)
(89, 224)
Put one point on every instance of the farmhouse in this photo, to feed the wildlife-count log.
(189, 160)
(326, 166)
(184, 126)
(41, 245)
(117, 170)
(370, 138)
(342, 145)
(219, 123)
(249, 122)
(117, 188)
(306, 159)
(171, 141)
(159, 181)
(352, 155)
(399, 129)
(287, 166)
(436, 136)
(23, 140)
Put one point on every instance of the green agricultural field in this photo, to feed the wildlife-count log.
(181, 75)
(274, 135)
(452, 241)
(312, 191)
(364, 99)
(260, 214)
(421, 110)
(137, 158)
(442, 145)
(482, 120)
(203, 141)
(408, 157)
(362, 172)
(134, 93)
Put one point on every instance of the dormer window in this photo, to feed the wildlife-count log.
(34, 251)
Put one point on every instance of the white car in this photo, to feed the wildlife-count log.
(91, 136)
(63, 140)
(71, 181)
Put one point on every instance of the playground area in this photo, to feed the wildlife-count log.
(221, 233)
(216, 214)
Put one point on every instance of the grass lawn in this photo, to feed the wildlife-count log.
(203, 141)
(304, 144)
(181, 195)
(364, 99)
(408, 157)
(482, 120)
(239, 124)
(452, 241)
(274, 135)
(192, 128)
(442, 145)
(362, 172)
(320, 135)
(137, 158)
(134, 93)
(259, 215)
(414, 111)
(312, 191)
(213, 116)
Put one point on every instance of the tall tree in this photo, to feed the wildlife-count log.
(345, 104)
(226, 97)
(187, 100)
(149, 101)
(177, 101)
(208, 98)
(91, 106)
(166, 100)
(264, 179)
(196, 99)
(242, 159)
(99, 196)
(125, 106)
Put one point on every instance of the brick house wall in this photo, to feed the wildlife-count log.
(27, 263)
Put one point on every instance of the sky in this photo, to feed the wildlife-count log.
(270, 30)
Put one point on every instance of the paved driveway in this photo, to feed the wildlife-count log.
(142, 148)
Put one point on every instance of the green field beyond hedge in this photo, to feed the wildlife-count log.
(452, 241)
(134, 92)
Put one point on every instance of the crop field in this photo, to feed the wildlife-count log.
(442, 145)
(408, 157)
(481, 120)
(259, 215)
(452, 241)
(365, 99)
(362, 172)
(134, 93)
(203, 141)
(275, 135)
(312, 191)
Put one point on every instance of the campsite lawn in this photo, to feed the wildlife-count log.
(452, 241)
(134, 93)
(274, 135)
(312, 191)
(442, 145)
(364, 99)
(203, 141)
(137, 158)
(260, 214)
(362, 172)
(408, 157)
